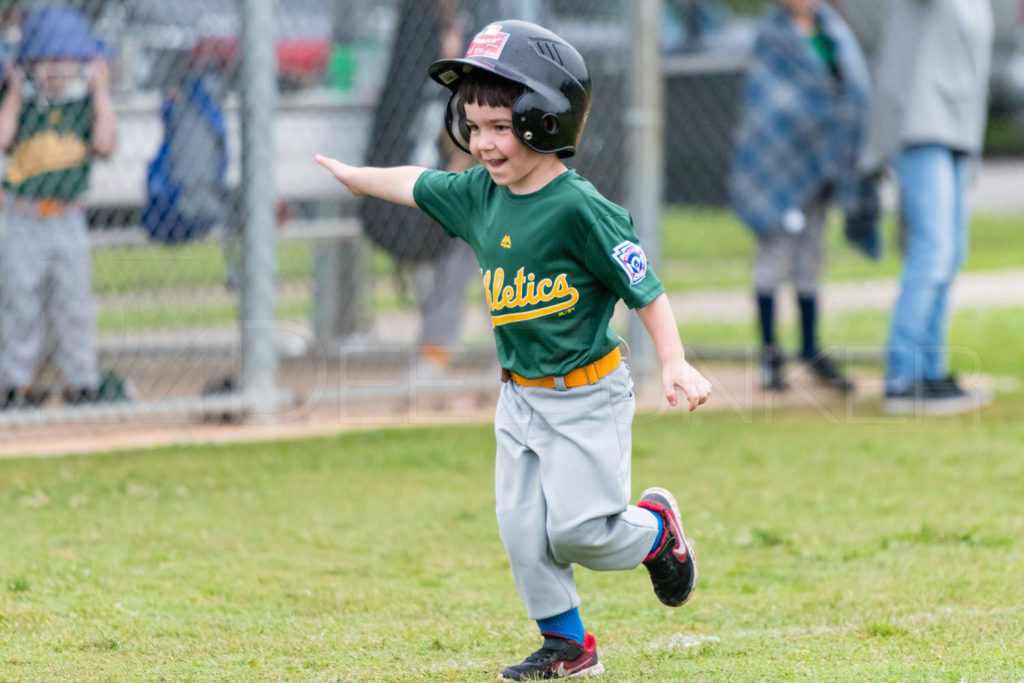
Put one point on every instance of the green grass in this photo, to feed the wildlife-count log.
(862, 548)
(150, 267)
(157, 287)
(1004, 136)
(712, 249)
(184, 313)
(981, 341)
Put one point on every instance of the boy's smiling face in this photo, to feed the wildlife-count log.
(510, 163)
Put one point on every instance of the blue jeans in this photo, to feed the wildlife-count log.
(933, 182)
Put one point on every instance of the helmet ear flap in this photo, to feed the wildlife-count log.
(545, 121)
(455, 121)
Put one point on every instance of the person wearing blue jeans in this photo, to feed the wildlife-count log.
(934, 181)
(927, 123)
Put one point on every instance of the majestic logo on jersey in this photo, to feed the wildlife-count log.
(506, 242)
(525, 290)
(631, 259)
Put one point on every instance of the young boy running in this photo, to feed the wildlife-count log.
(555, 256)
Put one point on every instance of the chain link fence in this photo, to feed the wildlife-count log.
(369, 300)
(153, 333)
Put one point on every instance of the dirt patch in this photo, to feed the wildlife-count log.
(736, 390)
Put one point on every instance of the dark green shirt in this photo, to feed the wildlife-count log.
(825, 48)
(50, 155)
(554, 264)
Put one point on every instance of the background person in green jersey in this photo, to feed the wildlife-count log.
(556, 256)
(51, 131)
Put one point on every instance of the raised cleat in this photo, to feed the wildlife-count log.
(672, 566)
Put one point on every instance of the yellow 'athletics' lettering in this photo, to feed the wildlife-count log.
(525, 290)
(45, 152)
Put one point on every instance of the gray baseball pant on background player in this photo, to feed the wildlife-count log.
(441, 293)
(45, 269)
(797, 258)
(562, 480)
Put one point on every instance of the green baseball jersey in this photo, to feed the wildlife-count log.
(50, 155)
(554, 264)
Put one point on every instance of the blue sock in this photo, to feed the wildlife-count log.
(567, 624)
(661, 529)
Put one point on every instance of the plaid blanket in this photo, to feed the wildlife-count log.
(800, 126)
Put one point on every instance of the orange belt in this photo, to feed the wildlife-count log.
(588, 374)
(51, 208)
(41, 208)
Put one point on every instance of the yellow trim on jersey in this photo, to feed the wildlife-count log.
(530, 315)
(526, 290)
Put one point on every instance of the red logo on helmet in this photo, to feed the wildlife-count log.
(488, 43)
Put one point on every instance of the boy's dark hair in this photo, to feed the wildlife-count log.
(485, 89)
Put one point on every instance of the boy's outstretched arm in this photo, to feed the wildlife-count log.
(676, 373)
(393, 184)
(10, 108)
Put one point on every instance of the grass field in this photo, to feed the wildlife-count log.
(861, 548)
(711, 249)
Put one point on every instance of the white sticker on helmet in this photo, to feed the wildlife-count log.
(488, 43)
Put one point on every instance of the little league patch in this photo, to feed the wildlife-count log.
(631, 259)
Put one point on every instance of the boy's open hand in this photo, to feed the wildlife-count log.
(683, 376)
(343, 172)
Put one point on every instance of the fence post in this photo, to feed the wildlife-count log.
(256, 310)
(645, 132)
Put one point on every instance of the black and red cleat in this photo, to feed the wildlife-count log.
(557, 658)
(672, 566)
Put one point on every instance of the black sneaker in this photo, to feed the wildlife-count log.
(557, 658)
(945, 386)
(80, 396)
(772, 363)
(822, 368)
(672, 566)
(14, 398)
(942, 396)
(948, 386)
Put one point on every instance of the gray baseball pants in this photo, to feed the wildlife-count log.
(441, 294)
(797, 258)
(562, 487)
(45, 271)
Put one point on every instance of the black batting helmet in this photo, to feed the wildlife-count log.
(550, 114)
